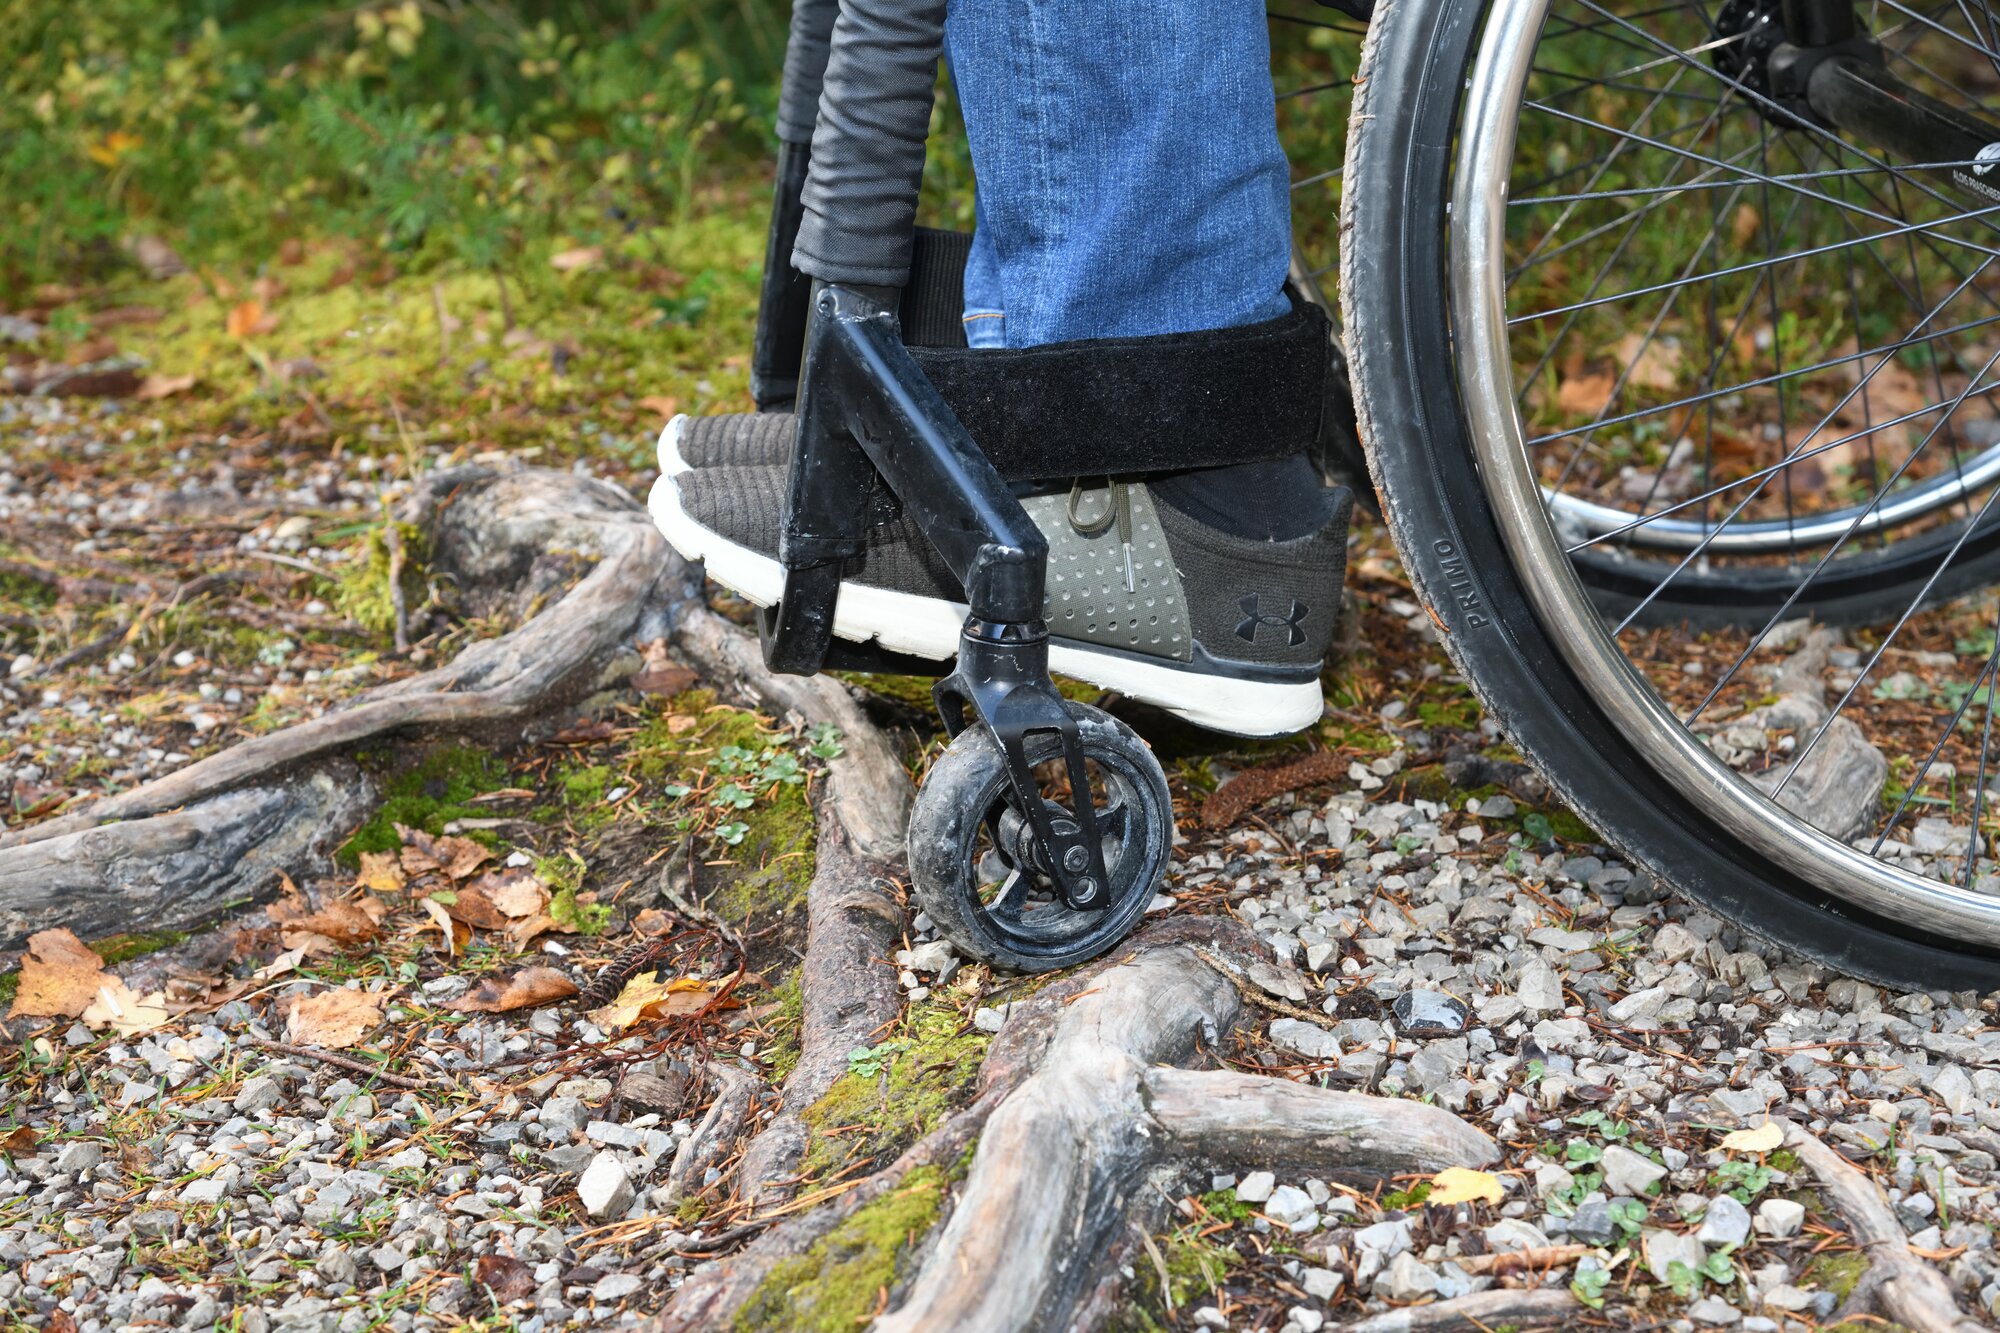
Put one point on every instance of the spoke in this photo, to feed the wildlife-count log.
(1923, 770)
(1774, 261)
(1711, 535)
(1985, 749)
(1644, 191)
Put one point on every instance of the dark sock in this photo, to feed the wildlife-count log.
(1279, 500)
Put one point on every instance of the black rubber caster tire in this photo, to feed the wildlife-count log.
(967, 787)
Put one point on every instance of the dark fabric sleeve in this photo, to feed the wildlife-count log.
(868, 145)
(805, 68)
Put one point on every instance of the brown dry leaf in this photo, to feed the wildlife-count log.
(517, 990)
(652, 921)
(647, 997)
(569, 261)
(124, 1011)
(60, 1321)
(475, 903)
(344, 922)
(442, 919)
(19, 1141)
(516, 891)
(165, 386)
(663, 678)
(60, 977)
(1586, 395)
(520, 934)
(506, 1277)
(381, 873)
(462, 856)
(287, 961)
(1743, 227)
(1650, 363)
(666, 405)
(245, 318)
(333, 1020)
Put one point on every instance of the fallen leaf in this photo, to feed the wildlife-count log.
(444, 923)
(666, 678)
(506, 1277)
(156, 257)
(1456, 1184)
(524, 989)
(60, 1321)
(1650, 363)
(1764, 1138)
(647, 997)
(1586, 395)
(279, 966)
(1744, 226)
(165, 386)
(333, 1020)
(498, 898)
(520, 934)
(18, 1142)
(124, 1011)
(568, 261)
(651, 921)
(381, 873)
(343, 922)
(60, 977)
(244, 317)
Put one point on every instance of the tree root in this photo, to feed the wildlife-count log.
(1898, 1285)
(173, 851)
(1478, 1313)
(1086, 1114)
(719, 1130)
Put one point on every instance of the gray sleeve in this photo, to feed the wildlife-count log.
(805, 68)
(868, 146)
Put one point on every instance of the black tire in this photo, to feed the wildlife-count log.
(1398, 312)
(965, 790)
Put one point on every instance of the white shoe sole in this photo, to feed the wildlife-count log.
(928, 627)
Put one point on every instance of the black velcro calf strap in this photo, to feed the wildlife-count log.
(1119, 406)
(932, 310)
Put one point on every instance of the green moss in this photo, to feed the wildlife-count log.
(124, 948)
(781, 1052)
(911, 691)
(564, 876)
(363, 592)
(1836, 1271)
(835, 1285)
(1195, 1270)
(10, 982)
(26, 592)
(428, 795)
(773, 861)
(1224, 1206)
(939, 1057)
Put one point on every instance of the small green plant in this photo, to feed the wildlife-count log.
(1413, 1197)
(869, 1061)
(826, 742)
(1745, 1180)
(1687, 1282)
(1589, 1283)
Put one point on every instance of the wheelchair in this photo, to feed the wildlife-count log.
(1670, 335)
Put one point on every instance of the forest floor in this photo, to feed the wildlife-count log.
(379, 1100)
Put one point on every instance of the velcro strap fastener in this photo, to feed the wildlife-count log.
(1119, 406)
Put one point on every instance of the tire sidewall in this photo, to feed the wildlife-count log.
(1397, 311)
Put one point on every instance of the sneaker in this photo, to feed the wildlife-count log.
(1226, 631)
(743, 439)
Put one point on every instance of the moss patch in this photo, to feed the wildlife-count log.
(124, 948)
(781, 1052)
(886, 1103)
(364, 593)
(772, 863)
(428, 795)
(835, 1285)
(1836, 1271)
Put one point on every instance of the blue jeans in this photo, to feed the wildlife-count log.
(1129, 175)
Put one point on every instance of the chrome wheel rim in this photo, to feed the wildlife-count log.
(1478, 292)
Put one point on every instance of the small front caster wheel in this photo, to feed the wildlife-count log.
(973, 860)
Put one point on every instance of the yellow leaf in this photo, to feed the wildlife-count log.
(568, 261)
(113, 147)
(119, 1008)
(646, 996)
(1764, 1138)
(381, 872)
(1455, 1184)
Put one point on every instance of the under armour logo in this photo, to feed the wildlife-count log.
(1252, 618)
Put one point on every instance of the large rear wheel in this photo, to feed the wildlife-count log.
(1598, 281)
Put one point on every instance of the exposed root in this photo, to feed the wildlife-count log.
(1898, 1285)
(1083, 1109)
(172, 851)
(1478, 1313)
(719, 1131)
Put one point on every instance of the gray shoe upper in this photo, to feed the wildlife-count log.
(1184, 591)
